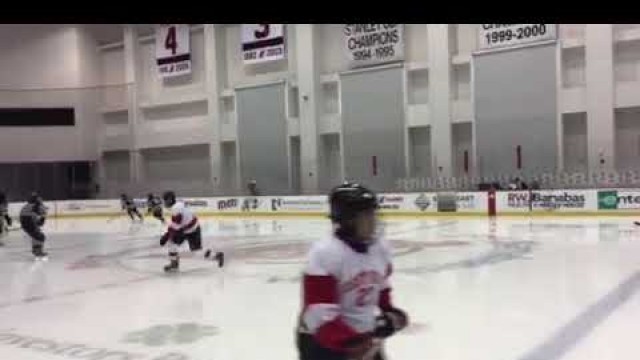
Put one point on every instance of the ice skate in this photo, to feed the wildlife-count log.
(172, 267)
(219, 257)
(39, 254)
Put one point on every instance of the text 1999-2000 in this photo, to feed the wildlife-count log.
(520, 33)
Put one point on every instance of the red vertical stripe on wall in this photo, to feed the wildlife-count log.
(374, 165)
(466, 161)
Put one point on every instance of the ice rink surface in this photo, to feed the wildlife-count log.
(513, 288)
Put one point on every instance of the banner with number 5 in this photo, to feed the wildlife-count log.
(262, 43)
(173, 51)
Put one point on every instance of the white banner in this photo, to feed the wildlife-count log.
(491, 36)
(369, 44)
(173, 50)
(262, 43)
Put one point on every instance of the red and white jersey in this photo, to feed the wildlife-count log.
(343, 290)
(182, 219)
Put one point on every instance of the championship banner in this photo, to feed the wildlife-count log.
(173, 51)
(492, 36)
(262, 43)
(371, 44)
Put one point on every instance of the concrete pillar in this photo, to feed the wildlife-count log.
(131, 54)
(440, 98)
(600, 96)
(214, 75)
(309, 90)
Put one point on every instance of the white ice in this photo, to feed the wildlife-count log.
(513, 288)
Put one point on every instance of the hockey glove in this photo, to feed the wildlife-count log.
(359, 346)
(164, 239)
(390, 322)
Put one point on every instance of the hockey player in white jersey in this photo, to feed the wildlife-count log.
(184, 225)
(347, 308)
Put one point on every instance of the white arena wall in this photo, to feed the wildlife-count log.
(129, 118)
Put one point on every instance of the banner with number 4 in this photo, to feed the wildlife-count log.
(173, 51)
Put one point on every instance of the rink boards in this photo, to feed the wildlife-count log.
(537, 202)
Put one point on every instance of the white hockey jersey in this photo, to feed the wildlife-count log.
(183, 219)
(343, 290)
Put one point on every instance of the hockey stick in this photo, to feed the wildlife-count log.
(376, 352)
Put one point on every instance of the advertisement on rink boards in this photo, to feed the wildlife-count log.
(618, 199)
(240, 204)
(88, 207)
(500, 36)
(391, 201)
(316, 204)
(196, 204)
(424, 202)
(263, 43)
(251, 204)
(14, 208)
(227, 204)
(405, 202)
(371, 44)
(173, 50)
(471, 201)
(546, 200)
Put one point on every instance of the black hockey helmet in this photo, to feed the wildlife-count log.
(150, 196)
(34, 198)
(169, 198)
(349, 199)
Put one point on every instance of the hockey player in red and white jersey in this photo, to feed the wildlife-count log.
(347, 308)
(184, 226)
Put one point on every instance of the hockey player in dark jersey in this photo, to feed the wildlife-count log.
(32, 218)
(154, 207)
(5, 220)
(4, 209)
(346, 285)
(130, 206)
